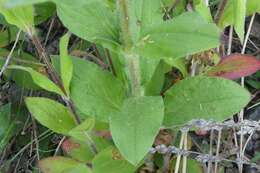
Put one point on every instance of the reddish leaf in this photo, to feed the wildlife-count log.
(235, 66)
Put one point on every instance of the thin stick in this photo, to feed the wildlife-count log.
(59, 145)
(217, 152)
(210, 150)
(177, 165)
(230, 39)
(220, 11)
(10, 54)
(241, 114)
(184, 161)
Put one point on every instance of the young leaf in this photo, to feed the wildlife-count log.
(51, 114)
(110, 161)
(176, 38)
(61, 165)
(39, 79)
(81, 131)
(203, 97)
(235, 66)
(95, 92)
(136, 125)
(22, 16)
(66, 65)
(239, 17)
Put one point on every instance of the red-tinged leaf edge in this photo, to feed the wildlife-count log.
(69, 145)
(235, 66)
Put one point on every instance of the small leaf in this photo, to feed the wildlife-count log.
(239, 17)
(60, 165)
(66, 65)
(39, 79)
(81, 131)
(51, 114)
(22, 16)
(77, 150)
(110, 161)
(176, 38)
(203, 97)
(235, 66)
(135, 127)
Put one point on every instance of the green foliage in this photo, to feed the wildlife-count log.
(66, 65)
(136, 125)
(22, 17)
(239, 17)
(175, 39)
(110, 161)
(73, 13)
(62, 165)
(51, 114)
(142, 49)
(96, 87)
(40, 79)
(203, 97)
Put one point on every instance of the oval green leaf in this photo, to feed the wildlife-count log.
(51, 114)
(136, 125)
(203, 97)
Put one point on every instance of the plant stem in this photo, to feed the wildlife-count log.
(131, 59)
(220, 11)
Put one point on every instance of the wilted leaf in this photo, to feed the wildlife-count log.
(77, 150)
(110, 161)
(136, 125)
(51, 114)
(203, 97)
(235, 66)
(60, 165)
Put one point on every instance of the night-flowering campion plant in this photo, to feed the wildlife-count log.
(144, 46)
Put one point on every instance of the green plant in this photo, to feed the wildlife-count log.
(129, 101)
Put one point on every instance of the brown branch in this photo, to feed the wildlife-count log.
(220, 12)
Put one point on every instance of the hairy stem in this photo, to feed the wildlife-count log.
(131, 59)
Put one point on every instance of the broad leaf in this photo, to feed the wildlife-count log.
(60, 165)
(176, 38)
(22, 17)
(110, 161)
(66, 65)
(78, 169)
(136, 125)
(239, 17)
(83, 18)
(51, 114)
(203, 97)
(95, 92)
(235, 66)
(40, 79)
